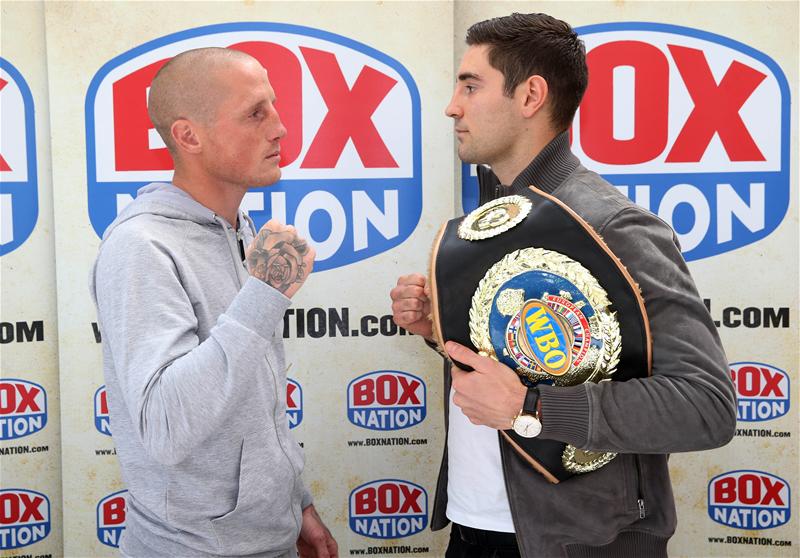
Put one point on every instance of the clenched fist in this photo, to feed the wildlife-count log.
(411, 306)
(280, 258)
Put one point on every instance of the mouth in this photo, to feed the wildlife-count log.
(275, 155)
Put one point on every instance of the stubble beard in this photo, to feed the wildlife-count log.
(468, 154)
(268, 178)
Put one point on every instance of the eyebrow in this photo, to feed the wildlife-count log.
(257, 105)
(468, 75)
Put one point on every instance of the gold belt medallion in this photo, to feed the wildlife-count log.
(494, 217)
(546, 316)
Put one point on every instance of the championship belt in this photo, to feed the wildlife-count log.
(526, 281)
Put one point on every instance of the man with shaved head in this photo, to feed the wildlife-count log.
(191, 322)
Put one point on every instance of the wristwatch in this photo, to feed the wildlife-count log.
(527, 423)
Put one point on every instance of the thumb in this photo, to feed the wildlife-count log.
(460, 353)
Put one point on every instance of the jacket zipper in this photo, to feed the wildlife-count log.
(640, 488)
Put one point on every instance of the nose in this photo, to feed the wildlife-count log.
(453, 109)
(278, 131)
(281, 130)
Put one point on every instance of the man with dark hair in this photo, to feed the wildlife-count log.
(518, 87)
(195, 371)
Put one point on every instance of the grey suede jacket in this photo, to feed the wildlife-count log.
(196, 384)
(625, 508)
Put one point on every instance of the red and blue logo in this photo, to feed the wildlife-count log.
(294, 402)
(111, 515)
(749, 500)
(690, 125)
(352, 171)
(19, 197)
(23, 408)
(388, 509)
(101, 420)
(762, 391)
(24, 517)
(386, 400)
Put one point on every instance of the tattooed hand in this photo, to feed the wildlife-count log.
(280, 258)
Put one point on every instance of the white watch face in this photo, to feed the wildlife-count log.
(527, 426)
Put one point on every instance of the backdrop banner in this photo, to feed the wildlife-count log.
(689, 113)
(30, 442)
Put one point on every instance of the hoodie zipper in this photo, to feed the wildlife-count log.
(235, 251)
(240, 242)
(240, 245)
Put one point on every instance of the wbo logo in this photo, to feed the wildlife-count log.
(111, 515)
(762, 391)
(543, 336)
(690, 125)
(386, 400)
(24, 517)
(101, 419)
(23, 408)
(388, 509)
(294, 403)
(19, 198)
(351, 159)
(749, 500)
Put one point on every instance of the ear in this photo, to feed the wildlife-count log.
(185, 136)
(533, 94)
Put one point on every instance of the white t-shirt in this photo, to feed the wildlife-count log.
(476, 490)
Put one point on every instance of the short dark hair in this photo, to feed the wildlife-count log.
(522, 45)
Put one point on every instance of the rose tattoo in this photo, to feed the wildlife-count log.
(277, 259)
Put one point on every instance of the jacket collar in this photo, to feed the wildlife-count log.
(549, 168)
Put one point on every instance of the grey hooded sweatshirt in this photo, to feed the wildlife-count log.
(196, 381)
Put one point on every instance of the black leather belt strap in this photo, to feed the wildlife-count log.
(481, 537)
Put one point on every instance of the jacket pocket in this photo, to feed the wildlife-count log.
(267, 512)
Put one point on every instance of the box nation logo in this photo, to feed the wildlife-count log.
(101, 420)
(762, 391)
(111, 515)
(24, 517)
(294, 402)
(386, 400)
(388, 509)
(691, 125)
(23, 408)
(352, 171)
(749, 500)
(19, 185)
